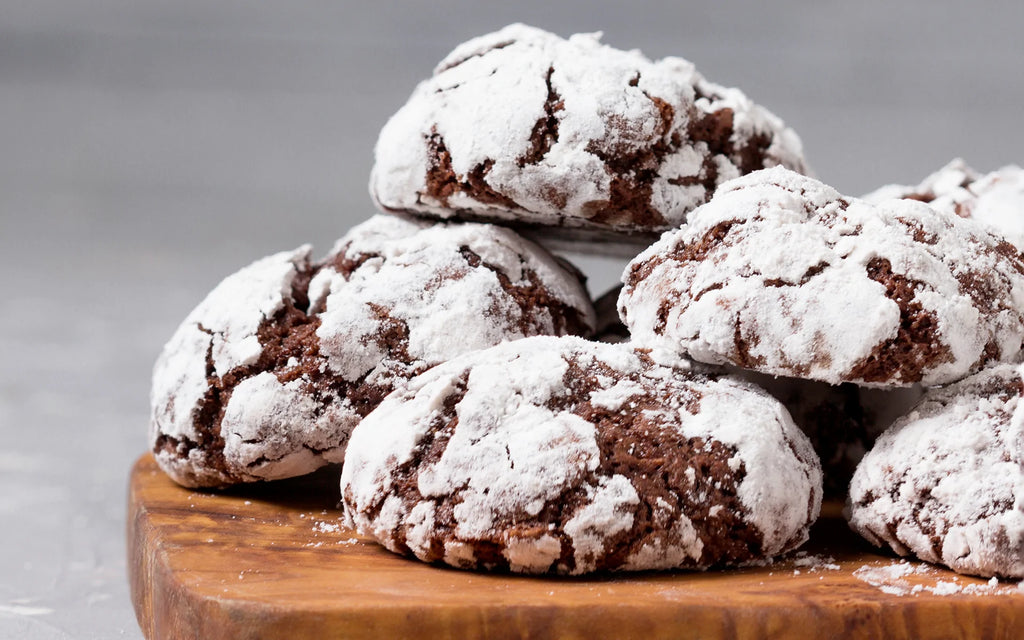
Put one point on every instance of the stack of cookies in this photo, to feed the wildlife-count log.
(489, 417)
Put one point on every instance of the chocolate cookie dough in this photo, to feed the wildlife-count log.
(946, 482)
(523, 127)
(267, 376)
(781, 274)
(560, 455)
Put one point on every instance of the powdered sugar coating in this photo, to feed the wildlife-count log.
(267, 376)
(995, 199)
(568, 456)
(523, 126)
(946, 482)
(781, 274)
(219, 335)
(448, 289)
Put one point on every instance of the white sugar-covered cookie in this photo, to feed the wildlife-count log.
(267, 376)
(522, 126)
(994, 199)
(781, 274)
(946, 482)
(560, 455)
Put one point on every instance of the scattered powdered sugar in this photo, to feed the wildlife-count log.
(801, 562)
(329, 532)
(945, 482)
(945, 588)
(516, 451)
(905, 578)
(889, 578)
(523, 125)
(326, 527)
(781, 274)
(814, 563)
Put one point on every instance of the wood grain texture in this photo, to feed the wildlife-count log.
(272, 561)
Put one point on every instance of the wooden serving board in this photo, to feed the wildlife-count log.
(273, 561)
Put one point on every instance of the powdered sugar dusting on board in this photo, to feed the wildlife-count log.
(503, 445)
(521, 125)
(902, 578)
(814, 563)
(781, 274)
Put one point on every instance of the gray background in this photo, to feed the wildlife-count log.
(147, 149)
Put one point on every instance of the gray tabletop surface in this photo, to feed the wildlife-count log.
(149, 148)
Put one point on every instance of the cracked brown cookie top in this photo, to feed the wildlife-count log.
(946, 482)
(994, 199)
(560, 455)
(267, 376)
(781, 274)
(521, 126)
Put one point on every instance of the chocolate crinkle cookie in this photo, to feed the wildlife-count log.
(781, 274)
(266, 378)
(521, 126)
(560, 455)
(994, 199)
(946, 482)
